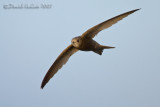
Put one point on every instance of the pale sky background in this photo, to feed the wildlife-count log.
(31, 39)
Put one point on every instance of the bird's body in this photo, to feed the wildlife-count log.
(88, 44)
(84, 42)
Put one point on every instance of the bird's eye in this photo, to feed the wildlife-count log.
(78, 40)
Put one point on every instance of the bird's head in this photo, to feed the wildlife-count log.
(77, 42)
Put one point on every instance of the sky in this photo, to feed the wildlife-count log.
(32, 38)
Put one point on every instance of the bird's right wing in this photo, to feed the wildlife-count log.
(60, 61)
(92, 32)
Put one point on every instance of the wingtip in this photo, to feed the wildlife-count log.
(132, 11)
(42, 86)
(137, 9)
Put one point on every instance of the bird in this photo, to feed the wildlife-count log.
(84, 42)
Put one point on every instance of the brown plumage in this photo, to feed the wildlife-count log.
(83, 43)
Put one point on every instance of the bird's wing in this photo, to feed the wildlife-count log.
(91, 33)
(60, 61)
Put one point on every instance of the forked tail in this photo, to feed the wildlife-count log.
(106, 47)
(100, 50)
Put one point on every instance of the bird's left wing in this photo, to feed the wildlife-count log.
(92, 32)
(60, 61)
